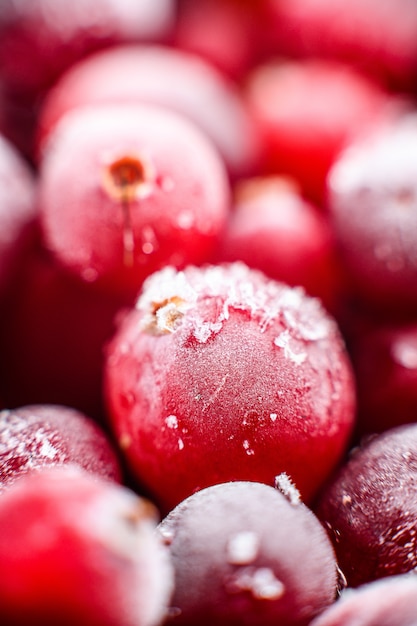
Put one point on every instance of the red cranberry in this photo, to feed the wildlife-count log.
(32, 437)
(373, 201)
(195, 89)
(244, 553)
(307, 112)
(273, 229)
(79, 550)
(221, 374)
(143, 188)
(370, 507)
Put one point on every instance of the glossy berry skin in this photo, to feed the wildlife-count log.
(274, 229)
(138, 73)
(32, 437)
(376, 178)
(143, 188)
(370, 507)
(388, 602)
(79, 550)
(221, 374)
(307, 112)
(237, 550)
(18, 212)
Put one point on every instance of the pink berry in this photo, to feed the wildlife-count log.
(244, 553)
(32, 437)
(220, 374)
(370, 507)
(138, 73)
(79, 550)
(143, 188)
(388, 602)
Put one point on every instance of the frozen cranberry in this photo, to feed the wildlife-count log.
(140, 73)
(32, 437)
(126, 189)
(221, 374)
(378, 36)
(372, 201)
(307, 111)
(244, 553)
(79, 550)
(388, 602)
(51, 338)
(385, 363)
(370, 507)
(273, 229)
(17, 212)
(39, 39)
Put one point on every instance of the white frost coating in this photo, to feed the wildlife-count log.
(163, 286)
(273, 416)
(247, 447)
(168, 294)
(285, 485)
(243, 548)
(261, 582)
(405, 354)
(180, 444)
(283, 341)
(171, 421)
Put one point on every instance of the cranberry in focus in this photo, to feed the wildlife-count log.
(221, 374)
(246, 554)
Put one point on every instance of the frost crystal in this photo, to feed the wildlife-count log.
(285, 485)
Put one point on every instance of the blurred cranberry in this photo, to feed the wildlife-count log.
(307, 112)
(372, 202)
(273, 229)
(41, 38)
(160, 75)
(378, 36)
(221, 31)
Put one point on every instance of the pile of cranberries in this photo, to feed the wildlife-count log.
(208, 312)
